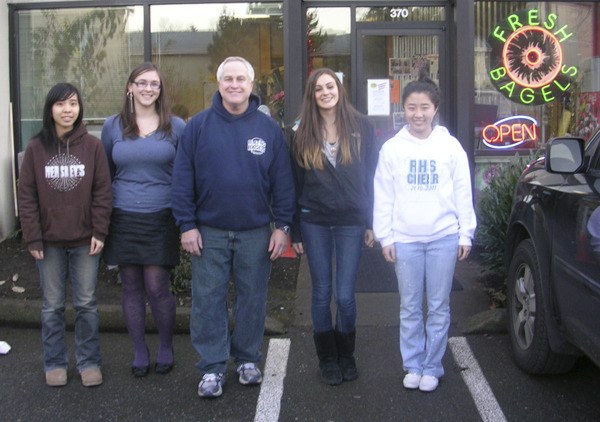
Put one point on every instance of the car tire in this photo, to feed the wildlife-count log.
(527, 316)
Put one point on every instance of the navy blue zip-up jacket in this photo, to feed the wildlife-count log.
(232, 172)
(341, 195)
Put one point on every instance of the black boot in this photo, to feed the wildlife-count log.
(345, 348)
(328, 357)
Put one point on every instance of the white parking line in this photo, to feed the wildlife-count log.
(485, 401)
(271, 389)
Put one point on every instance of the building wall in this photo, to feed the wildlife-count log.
(7, 211)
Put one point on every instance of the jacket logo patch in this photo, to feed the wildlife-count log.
(257, 146)
(64, 172)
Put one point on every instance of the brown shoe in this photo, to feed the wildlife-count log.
(91, 377)
(56, 377)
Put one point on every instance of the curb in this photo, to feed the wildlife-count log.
(493, 321)
(20, 313)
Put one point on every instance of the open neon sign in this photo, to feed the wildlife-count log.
(511, 132)
(527, 61)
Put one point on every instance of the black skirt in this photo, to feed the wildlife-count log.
(142, 239)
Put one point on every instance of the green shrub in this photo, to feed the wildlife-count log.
(493, 211)
(181, 275)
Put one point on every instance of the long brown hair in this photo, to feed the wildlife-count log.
(127, 115)
(308, 142)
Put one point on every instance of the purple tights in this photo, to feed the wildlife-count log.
(137, 282)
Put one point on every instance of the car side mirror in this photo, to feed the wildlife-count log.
(565, 155)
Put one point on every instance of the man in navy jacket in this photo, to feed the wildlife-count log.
(232, 178)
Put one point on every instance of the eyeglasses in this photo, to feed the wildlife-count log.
(145, 84)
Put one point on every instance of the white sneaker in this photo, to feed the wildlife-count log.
(411, 381)
(211, 385)
(428, 383)
(249, 374)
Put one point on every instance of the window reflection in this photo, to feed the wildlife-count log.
(189, 50)
(328, 40)
(576, 110)
(89, 47)
(399, 14)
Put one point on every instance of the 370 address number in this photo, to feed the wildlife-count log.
(399, 12)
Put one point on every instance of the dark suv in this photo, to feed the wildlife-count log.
(553, 258)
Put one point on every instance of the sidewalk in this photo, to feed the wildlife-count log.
(469, 306)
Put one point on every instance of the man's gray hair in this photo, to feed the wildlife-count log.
(249, 67)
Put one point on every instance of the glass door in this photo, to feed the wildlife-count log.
(387, 60)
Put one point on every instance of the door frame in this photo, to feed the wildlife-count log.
(446, 116)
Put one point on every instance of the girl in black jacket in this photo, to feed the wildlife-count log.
(334, 157)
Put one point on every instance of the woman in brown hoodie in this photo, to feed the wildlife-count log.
(65, 204)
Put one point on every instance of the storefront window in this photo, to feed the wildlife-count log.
(537, 73)
(96, 48)
(328, 41)
(90, 48)
(189, 50)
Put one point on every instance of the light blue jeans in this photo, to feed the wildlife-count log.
(243, 255)
(321, 243)
(425, 269)
(82, 270)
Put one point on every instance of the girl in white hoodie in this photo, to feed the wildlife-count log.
(424, 219)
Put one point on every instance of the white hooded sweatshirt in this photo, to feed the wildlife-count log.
(423, 190)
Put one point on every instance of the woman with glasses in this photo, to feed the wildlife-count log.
(64, 206)
(143, 240)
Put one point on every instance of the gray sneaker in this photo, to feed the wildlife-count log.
(211, 385)
(249, 374)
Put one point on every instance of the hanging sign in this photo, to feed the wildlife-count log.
(378, 97)
(527, 62)
(511, 132)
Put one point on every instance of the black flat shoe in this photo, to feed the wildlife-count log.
(140, 371)
(163, 368)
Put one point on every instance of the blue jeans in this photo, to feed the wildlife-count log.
(320, 243)
(425, 269)
(82, 270)
(244, 255)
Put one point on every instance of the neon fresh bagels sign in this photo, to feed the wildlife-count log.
(527, 62)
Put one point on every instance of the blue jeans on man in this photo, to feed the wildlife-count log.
(425, 269)
(82, 270)
(242, 255)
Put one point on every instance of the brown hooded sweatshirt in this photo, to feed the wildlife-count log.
(65, 193)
